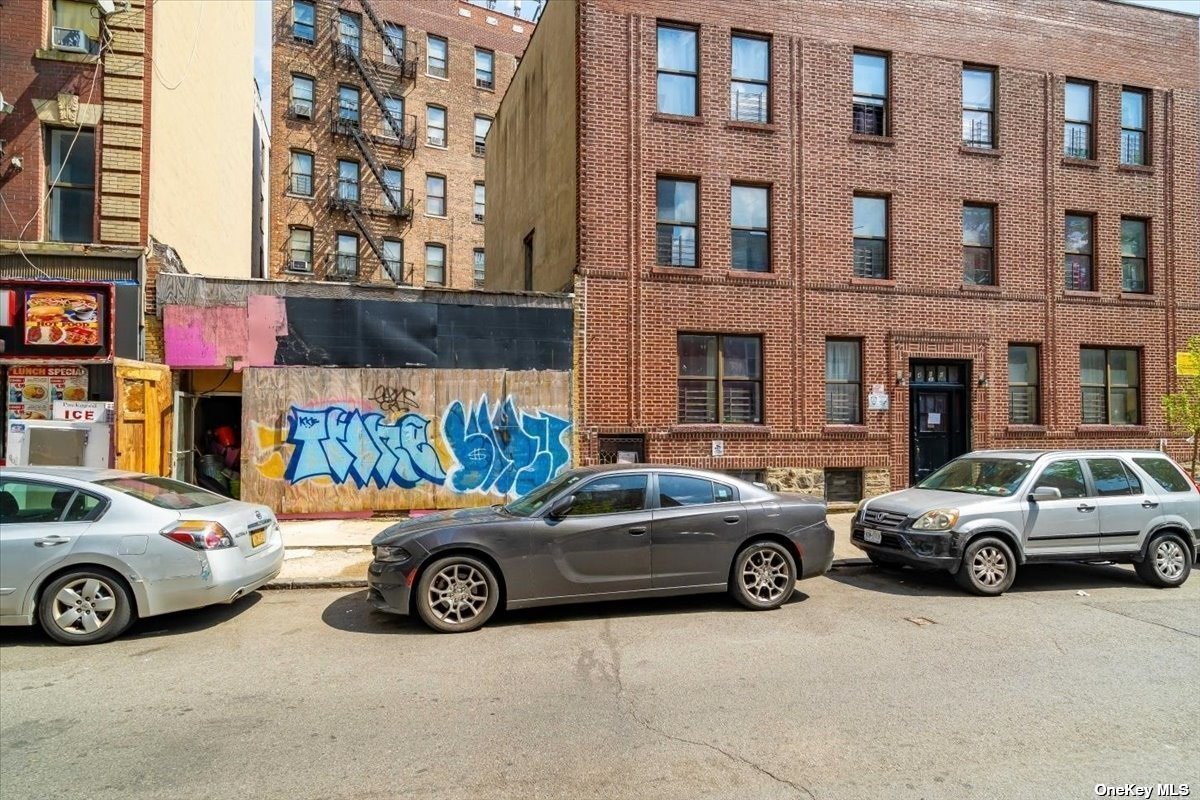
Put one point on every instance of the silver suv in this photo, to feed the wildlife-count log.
(982, 515)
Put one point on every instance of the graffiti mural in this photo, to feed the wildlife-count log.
(504, 451)
(493, 449)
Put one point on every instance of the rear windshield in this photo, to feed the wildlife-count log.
(164, 492)
(1165, 474)
(994, 476)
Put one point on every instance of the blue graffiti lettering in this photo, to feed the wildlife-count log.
(508, 452)
(346, 445)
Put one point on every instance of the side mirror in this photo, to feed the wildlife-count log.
(1043, 493)
(561, 507)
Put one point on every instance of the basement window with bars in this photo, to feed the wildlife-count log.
(720, 379)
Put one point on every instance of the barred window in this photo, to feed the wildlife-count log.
(720, 379)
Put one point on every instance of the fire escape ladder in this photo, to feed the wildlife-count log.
(388, 44)
(372, 78)
(376, 247)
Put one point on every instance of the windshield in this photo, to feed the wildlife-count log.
(531, 502)
(164, 492)
(992, 476)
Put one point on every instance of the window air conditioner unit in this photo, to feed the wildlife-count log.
(302, 108)
(71, 40)
(299, 266)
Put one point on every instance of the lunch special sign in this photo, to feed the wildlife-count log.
(32, 391)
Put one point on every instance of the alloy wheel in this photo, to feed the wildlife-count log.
(458, 593)
(84, 606)
(989, 566)
(1169, 559)
(765, 575)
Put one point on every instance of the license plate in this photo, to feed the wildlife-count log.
(874, 537)
(258, 538)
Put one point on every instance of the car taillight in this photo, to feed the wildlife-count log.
(199, 535)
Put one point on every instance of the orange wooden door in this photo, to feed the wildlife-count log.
(143, 408)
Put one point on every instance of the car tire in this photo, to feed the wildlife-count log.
(85, 606)
(763, 576)
(457, 594)
(988, 567)
(885, 563)
(1168, 562)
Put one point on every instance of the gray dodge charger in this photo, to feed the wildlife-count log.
(602, 533)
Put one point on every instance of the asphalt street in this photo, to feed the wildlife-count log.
(867, 685)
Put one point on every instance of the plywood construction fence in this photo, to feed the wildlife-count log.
(320, 440)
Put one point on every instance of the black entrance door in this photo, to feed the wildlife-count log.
(939, 416)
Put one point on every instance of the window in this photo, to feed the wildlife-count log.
(1077, 119)
(303, 21)
(84, 508)
(350, 31)
(485, 68)
(676, 219)
(348, 106)
(480, 197)
(435, 264)
(1134, 142)
(870, 236)
(348, 181)
(346, 265)
(300, 250)
(27, 501)
(682, 490)
(843, 485)
(871, 94)
(750, 78)
(482, 126)
(677, 76)
(393, 259)
(393, 117)
(979, 266)
(843, 381)
(437, 57)
(1109, 380)
(979, 107)
(393, 36)
(303, 90)
(393, 181)
(302, 173)
(720, 379)
(71, 175)
(612, 494)
(1078, 244)
(1110, 478)
(480, 266)
(1134, 250)
(435, 195)
(750, 221)
(1066, 476)
(528, 249)
(1164, 473)
(435, 126)
(1023, 385)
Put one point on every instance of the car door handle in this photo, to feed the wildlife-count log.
(638, 531)
(732, 518)
(1085, 507)
(50, 541)
(1149, 504)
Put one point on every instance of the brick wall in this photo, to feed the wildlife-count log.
(632, 311)
(457, 230)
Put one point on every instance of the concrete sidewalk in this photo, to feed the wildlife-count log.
(334, 553)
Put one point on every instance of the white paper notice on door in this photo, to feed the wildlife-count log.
(934, 418)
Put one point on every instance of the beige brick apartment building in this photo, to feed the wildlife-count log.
(380, 112)
(835, 244)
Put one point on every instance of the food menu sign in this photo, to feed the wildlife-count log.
(32, 391)
(56, 318)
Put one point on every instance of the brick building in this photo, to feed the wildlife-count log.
(835, 244)
(380, 112)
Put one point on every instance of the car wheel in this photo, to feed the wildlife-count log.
(883, 562)
(457, 594)
(1167, 563)
(764, 576)
(988, 567)
(84, 606)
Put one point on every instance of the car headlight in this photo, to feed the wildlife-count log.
(390, 552)
(940, 519)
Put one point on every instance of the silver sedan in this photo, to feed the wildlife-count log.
(83, 552)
